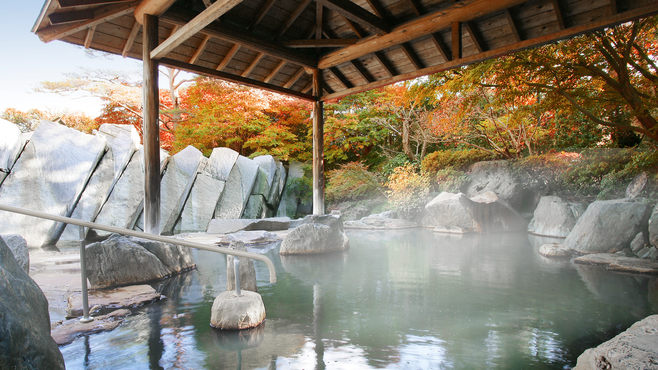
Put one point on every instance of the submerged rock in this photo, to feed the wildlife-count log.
(251, 238)
(635, 348)
(25, 341)
(616, 262)
(554, 250)
(70, 330)
(123, 260)
(555, 217)
(317, 234)
(122, 297)
(609, 226)
(232, 312)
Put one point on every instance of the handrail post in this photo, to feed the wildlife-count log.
(236, 268)
(83, 273)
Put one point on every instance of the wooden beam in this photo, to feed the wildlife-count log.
(308, 87)
(228, 57)
(153, 7)
(377, 8)
(234, 35)
(89, 37)
(456, 34)
(293, 17)
(199, 49)
(558, 13)
(462, 11)
(191, 28)
(319, 15)
(320, 43)
(275, 71)
(341, 77)
(362, 71)
(512, 25)
(72, 3)
(101, 15)
(412, 56)
(232, 78)
(294, 78)
(613, 7)
(261, 14)
(383, 61)
(253, 64)
(318, 146)
(357, 14)
(151, 127)
(443, 50)
(351, 25)
(504, 50)
(474, 37)
(131, 39)
(71, 17)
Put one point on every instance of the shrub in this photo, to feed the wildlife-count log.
(352, 181)
(408, 190)
(454, 159)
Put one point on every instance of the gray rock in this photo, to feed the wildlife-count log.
(291, 192)
(256, 207)
(615, 262)
(636, 186)
(317, 234)
(111, 131)
(454, 210)
(70, 330)
(200, 205)
(25, 322)
(247, 269)
(105, 176)
(635, 348)
(52, 186)
(222, 226)
(649, 252)
(11, 146)
(608, 226)
(18, 247)
(276, 189)
(238, 189)
(232, 312)
(653, 227)
(379, 221)
(221, 163)
(639, 243)
(555, 217)
(122, 260)
(554, 250)
(122, 297)
(251, 238)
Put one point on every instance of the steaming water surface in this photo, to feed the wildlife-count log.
(396, 300)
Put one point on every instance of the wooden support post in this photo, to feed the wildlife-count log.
(318, 146)
(151, 128)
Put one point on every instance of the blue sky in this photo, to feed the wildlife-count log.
(25, 61)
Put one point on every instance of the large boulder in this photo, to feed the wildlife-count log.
(609, 226)
(315, 235)
(636, 348)
(247, 270)
(237, 190)
(11, 145)
(232, 312)
(121, 260)
(483, 213)
(555, 217)
(49, 176)
(289, 201)
(18, 247)
(24, 320)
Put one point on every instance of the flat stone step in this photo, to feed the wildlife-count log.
(619, 263)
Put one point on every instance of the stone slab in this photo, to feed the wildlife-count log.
(69, 330)
(250, 238)
(221, 163)
(11, 145)
(200, 205)
(123, 297)
(237, 189)
(620, 263)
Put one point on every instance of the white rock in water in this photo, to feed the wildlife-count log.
(52, 186)
(233, 312)
(554, 250)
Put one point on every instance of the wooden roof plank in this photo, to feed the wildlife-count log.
(253, 64)
(73, 3)
(191, 28)
(261, 13)
(293, 17)
(357, 14)
(294, 78)
(386, 65)
(200, 49)
(319, 15)
(377, 8)
(440, 45)
(463, 11)
(323, 43)
(362, 71)
(274, 71)
(341, 78)
(227, 58)
(512, 25)
(101, 15)
(558, 13)
(131, 39)
(474, 38)
(412, 56)
(70, 17)
(351, 25)
(233, 78)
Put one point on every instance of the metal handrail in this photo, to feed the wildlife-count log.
(143, 235)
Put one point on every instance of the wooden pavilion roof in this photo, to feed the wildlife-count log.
(356, 45)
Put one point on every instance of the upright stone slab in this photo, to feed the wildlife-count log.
(290, 193)
(49, 177)
(24, 320)
(276, 190)
(238, 189)
(11, 145)
(256, 207)
(120, 149)
(268, 164)
(206, 192)
(555, 217)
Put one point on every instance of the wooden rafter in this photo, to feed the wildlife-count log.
(227, 58)
(233, 78)
(386, 65)
(456, 34)
(308, 87)
(261, 14)
(463, 11)
(131, 39)
(362, 71)
(234, 35)
(613, 7)
(377, 8)
(341, 77)
(351, 25)
(357, 14)
(101, 15)
(89, 37)
(191, 28)
(293, 17)
(412, 56)
(72, 3)
(70, 17)
(253, 64)
(414, 7)
(320, 43)
(443, 50)
(319, 20)
(274, 72)
(199, 49)
(558, 13)
(474, 37)
(294, 78)
(512, 25)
